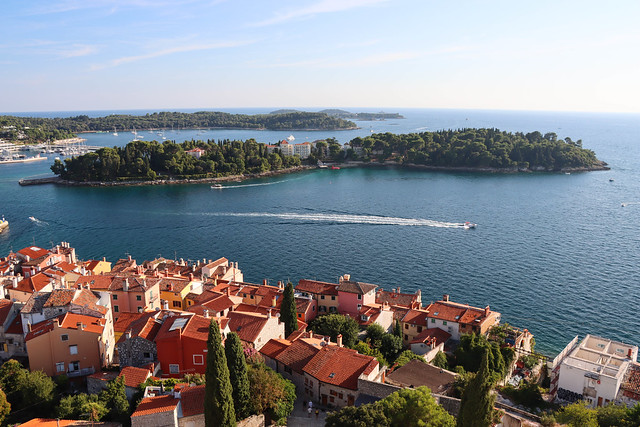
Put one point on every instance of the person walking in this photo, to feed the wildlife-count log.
(317, 413)
(309, 410)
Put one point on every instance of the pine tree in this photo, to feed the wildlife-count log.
(238, 375)
(288, 313)
(476, 407)
(218, 400)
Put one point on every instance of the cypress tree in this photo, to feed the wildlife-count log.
(397, 329)
(238, 375)
(218, 400)
(115, 399)
(476, 407)
(288, 313)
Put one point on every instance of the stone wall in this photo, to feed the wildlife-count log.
(450, 404)
(160, 419)
(252, 421)
(131, 351)
(375, 389)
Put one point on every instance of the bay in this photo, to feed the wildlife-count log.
(554, 253)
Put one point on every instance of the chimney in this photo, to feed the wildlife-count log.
(125, 285)
(486, 311)
(310, 334)
(80, 326)
(129, 257)
(339, 340)
(347, 277)
(204, 261)
(269, 314)
(398, 289)
(445, 297)
(88, 287)
(280, 284)
(14, 281)
(264, 282)
(228, 291)
(205, 313)
(29, 326)
(165, 305)
(418, 295)
(629, 354)
(191, 276)
(273, 301)
(104, 259)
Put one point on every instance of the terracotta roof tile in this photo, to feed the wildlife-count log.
(145, 327)
(124, 321)
(395, 298)
(197, 328)
(156, 405)
(15, 327)
(416, 317)
(5, 310)
(67, 321)
(35, 303)
(192, 400)
(297, 355)
(133, 376)
(60, 297)
(434, 335)
(99, 281)
(274, 347)
(248, 326)
(34, 283)
(315, 287)
(339, 366)
(355, 287)
(33, 252)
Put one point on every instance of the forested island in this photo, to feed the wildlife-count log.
(347, 115)
(35, 129)
(464, 149)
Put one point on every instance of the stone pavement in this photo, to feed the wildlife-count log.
(300, 418)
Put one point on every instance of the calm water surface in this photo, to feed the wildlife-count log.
(555, 253)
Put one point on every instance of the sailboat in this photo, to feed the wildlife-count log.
(115, 132)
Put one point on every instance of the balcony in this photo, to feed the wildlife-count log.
(81, 372)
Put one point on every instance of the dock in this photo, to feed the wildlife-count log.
(38, 181)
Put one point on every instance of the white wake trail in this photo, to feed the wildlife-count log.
(345, 219)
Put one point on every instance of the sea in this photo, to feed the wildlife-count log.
(555, 253)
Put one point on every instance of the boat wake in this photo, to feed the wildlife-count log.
(38, 222)
(225, 187)
(345, 219)
(629, 203)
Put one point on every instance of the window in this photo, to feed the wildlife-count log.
(433, 320)
(251, 296)
(359, 296)
(444, 322)
(332, 399)
(406, 326)
(73, 349)
(116, 308)
(333, 297)
(146, 355)
(406, 337)
(340, 396)
(174, 369)
(64, 337)
(313, 308)
(299, 316)
(332, 392)
(139, 309)
(321, 296)
(177, 304)
(60, 367)
(419, 329)
(3, 346)
(138, 297)
(74, 366)
(359, 307)
(198, 359)
(115, 297)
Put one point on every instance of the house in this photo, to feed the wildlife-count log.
(303, 149)
(22, 290)
(429, 342)
(196, 152)
(218, 306)
(133, 377)
(95, 267)
(35, 265)
(181, 344)
(255, 329)
(331, 376)
(11, 335)
(31, 252)
(71, 344)
(173, 291)
(353, 295)
(454, 318)
(161, 411)
(376, 313)
(272, 349)
(286, 149)
(593, 369)
(325, 294)
(396, 299)
(290, 361)
(136, 347)
(416, 373)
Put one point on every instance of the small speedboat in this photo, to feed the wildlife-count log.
(610, 179)
(335, 168)
(467, 225)
(217, 187)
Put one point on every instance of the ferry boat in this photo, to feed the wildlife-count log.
(3, 224)
(467, 225)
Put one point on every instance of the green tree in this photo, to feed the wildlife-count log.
(334, 325)
(238, 375)
(271, 394)
(115, 399)
(577, 415)
(364, 348)
(375, 332)
(369, 415)
(440, 361)
(476, 406)
(218, 406)
(288, 313)
(613, 415)
(82, 406)
(391, 346)
(407, 356)
(35, 388)
(397, 329)
(5, 406)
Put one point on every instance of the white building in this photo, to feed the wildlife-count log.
(593, 370)
(303, 150)
(286, 148)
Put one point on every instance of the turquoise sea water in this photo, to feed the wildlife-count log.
(555, 253)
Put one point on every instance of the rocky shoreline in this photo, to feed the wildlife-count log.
(602, 166)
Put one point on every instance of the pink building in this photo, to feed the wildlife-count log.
(353, 295)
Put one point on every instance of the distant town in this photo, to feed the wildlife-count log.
(94, 322)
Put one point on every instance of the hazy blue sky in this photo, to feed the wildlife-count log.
(161, 54)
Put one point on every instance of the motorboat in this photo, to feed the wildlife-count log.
(217, 187)
(467, 225)
(335, 167)
(3, 224)
(610, 179)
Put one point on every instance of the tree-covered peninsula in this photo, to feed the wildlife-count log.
(37, 129)
(475, 149)
(142, 160)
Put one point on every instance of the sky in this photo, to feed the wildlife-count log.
(213, 54)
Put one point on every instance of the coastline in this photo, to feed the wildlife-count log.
(352, 164)
(227, 128)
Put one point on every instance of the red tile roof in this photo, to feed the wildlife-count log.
(99, 281)
(60, 297)
(156, 405)
(432, 336)
(124, 321)
(133, 376)
(34, 283)
(168, 284)
(248, 326)
(192, 400)
(49, 422)
(416, 317)
(5, 310)
(339, 366)
(395, 298)
(33, 252)
(145, 327)
(455, 312)
(297, 355)
(315, 287)
(197, 328)
(67, 321)
(355, 287)
(248, 308)
(15, 327)
(274, 347)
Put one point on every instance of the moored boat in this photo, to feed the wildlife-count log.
(3, 224)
